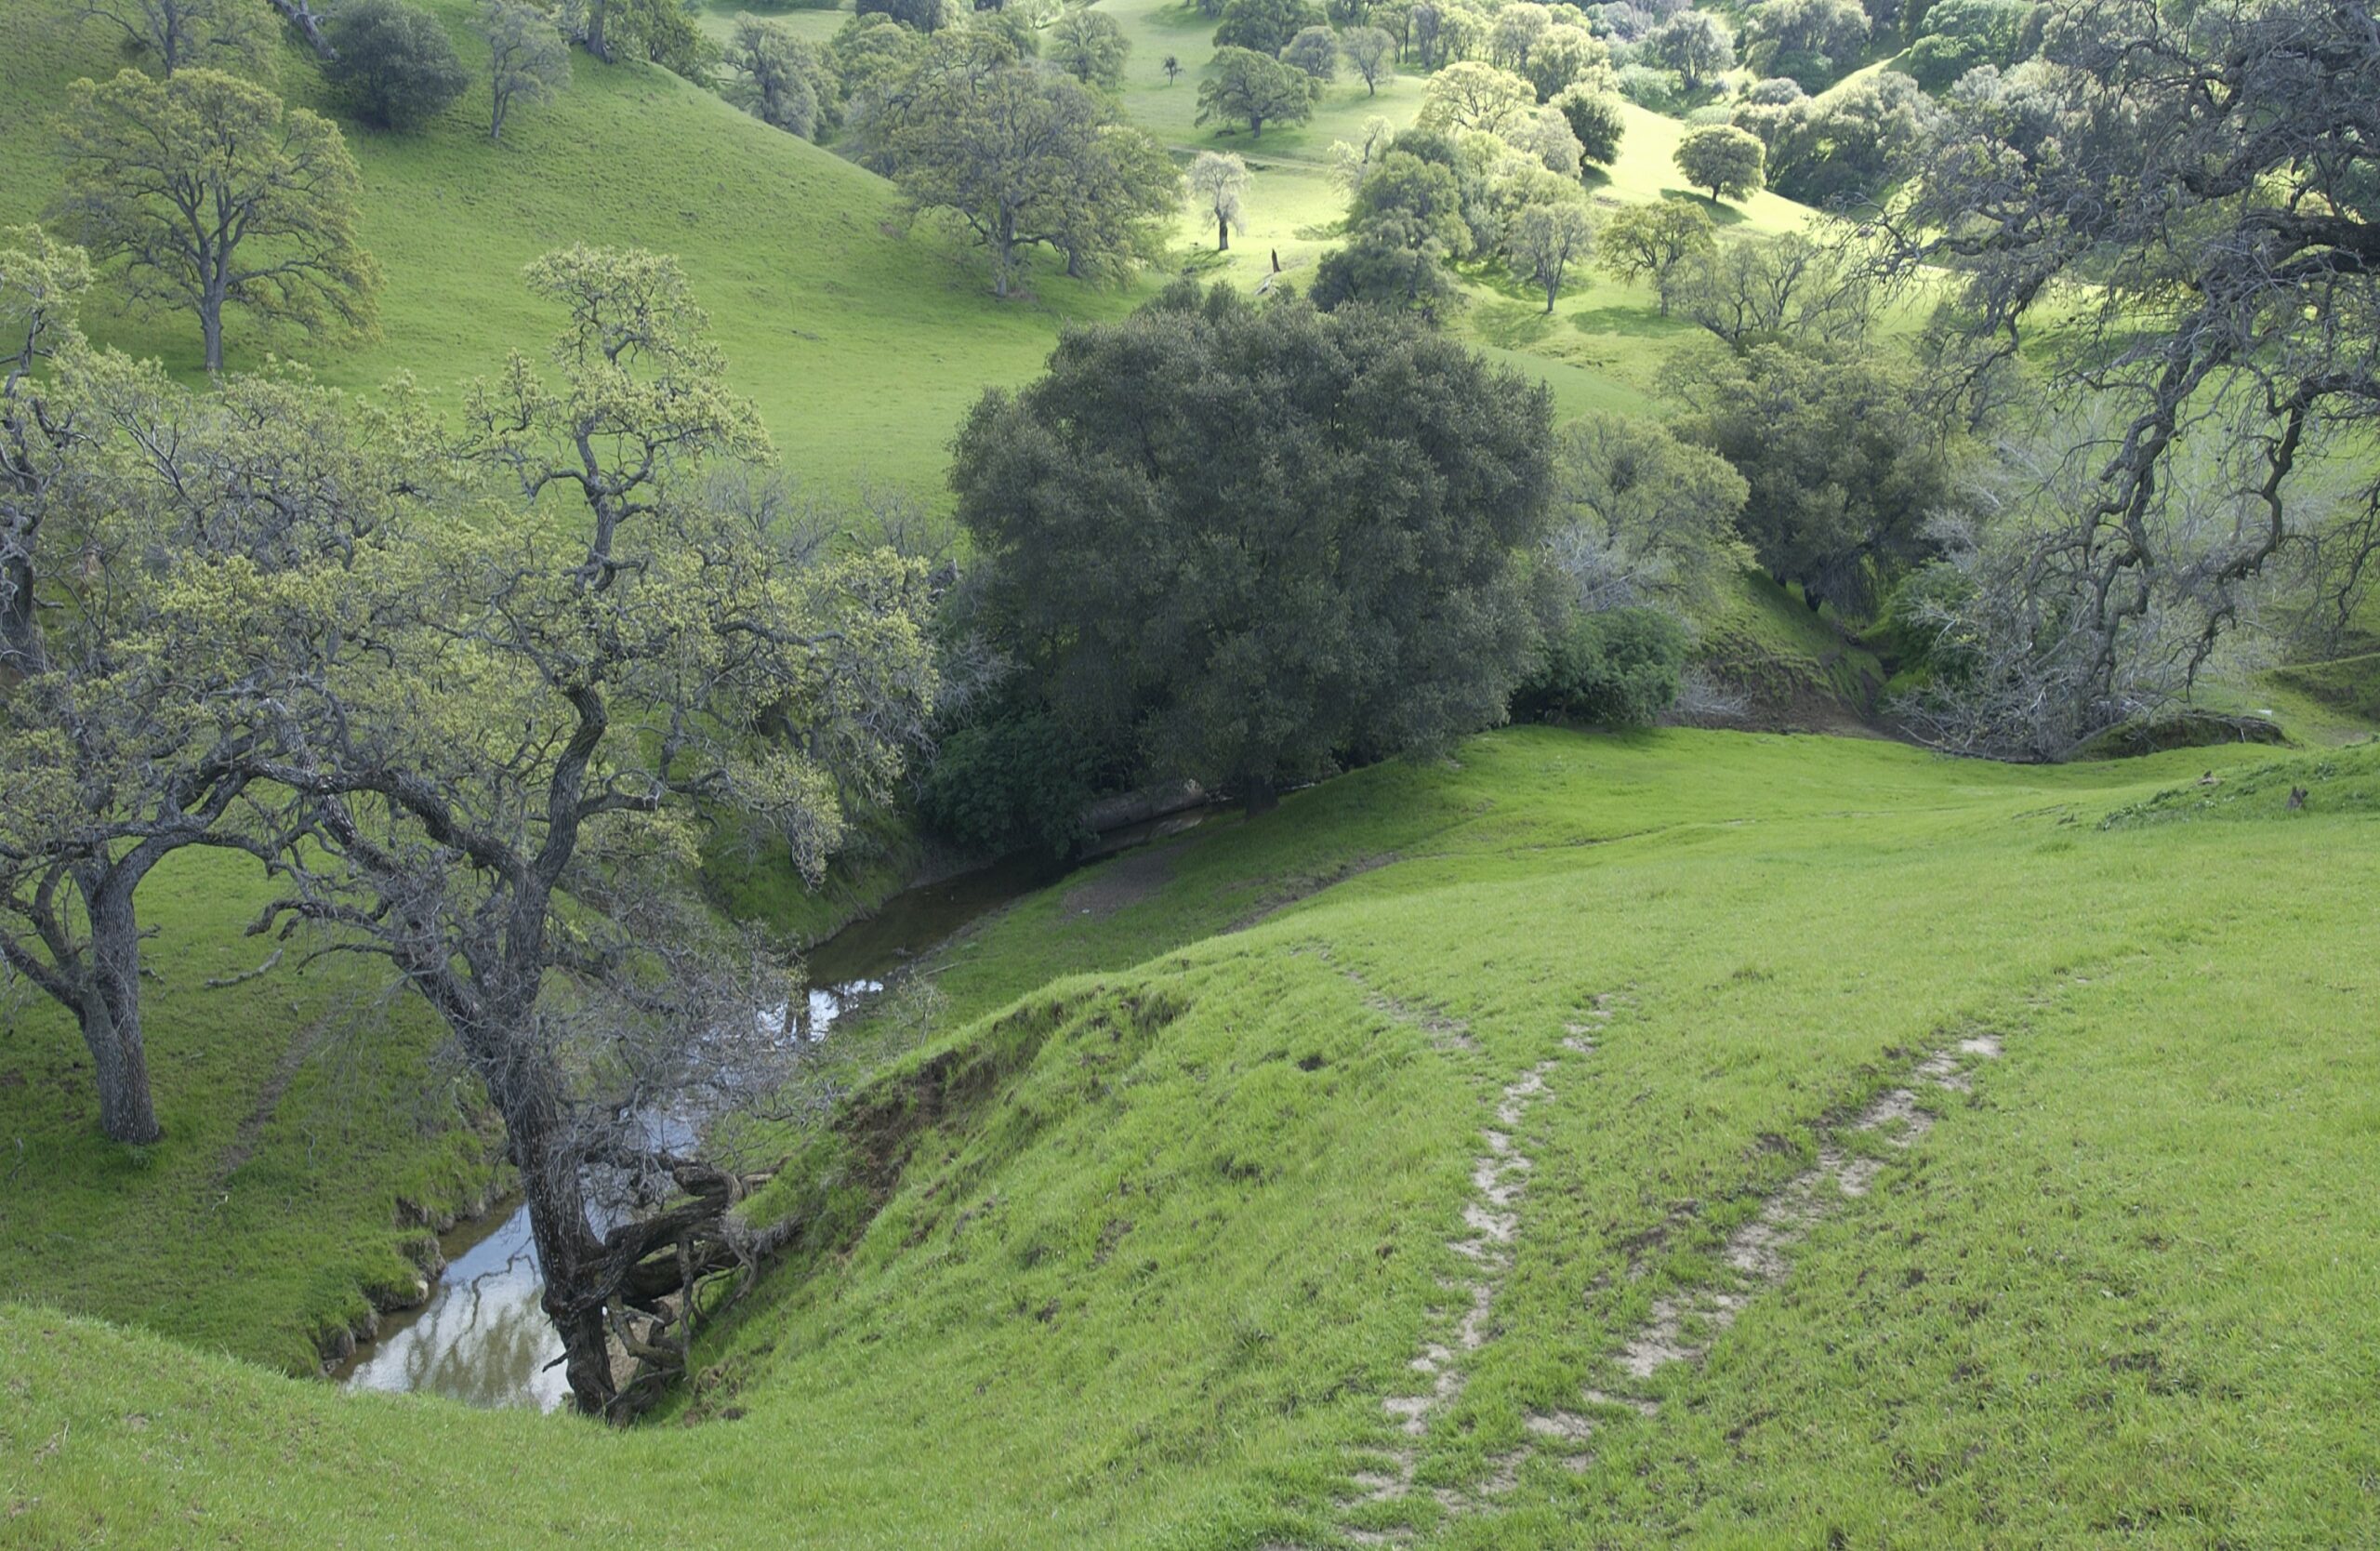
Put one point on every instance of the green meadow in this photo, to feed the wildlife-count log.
(1144, 1246)
(1575, 1140)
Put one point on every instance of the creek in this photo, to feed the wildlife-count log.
(481, 1337)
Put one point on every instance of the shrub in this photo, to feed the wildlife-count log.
(1014, 778)
(396, 64)
(1618, 668)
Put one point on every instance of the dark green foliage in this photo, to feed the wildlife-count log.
(1844, 466)
(1596, 119)
(924, 15)
(1850, 141)
(1382, 273)
(1813, 41)
(1090, 47)
(1958, 35)
(1266, 26)
(395, 63)
(1255, 88)
(1262, 538)
(1017, 778)
(1316, 51)
(1616, 668)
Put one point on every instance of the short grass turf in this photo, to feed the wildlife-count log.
(1150, 1283)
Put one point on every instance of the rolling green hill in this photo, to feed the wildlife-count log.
(1590, 1141)
(862, 345)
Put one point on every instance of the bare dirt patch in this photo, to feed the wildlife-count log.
(1126, 880)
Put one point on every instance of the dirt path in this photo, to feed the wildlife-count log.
(1683, 1325)
(1498, 1175)
(284, 1071)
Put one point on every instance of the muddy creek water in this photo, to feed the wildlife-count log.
(481, 1338)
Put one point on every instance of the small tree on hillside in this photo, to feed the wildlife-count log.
(213, 195)
(1657, 240)
(1316, 51)
(1259, 537)
(396, 63)
(1547, 238)
(1371, 54)
(227, 34)
(777, 75)
(1255, 88)
(528, 63)
(1089, 45)
(1729, 162)
(1173, 67)
(1218, 181)
(1695, 44)
(1027, 157)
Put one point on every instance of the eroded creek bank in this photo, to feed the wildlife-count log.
(480, 1336)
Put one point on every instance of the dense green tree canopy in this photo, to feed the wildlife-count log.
(1729, 162)
(1256, 89)
(395, 62)
(1263, 537)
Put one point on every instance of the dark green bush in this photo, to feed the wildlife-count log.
(1618, 668)
(396, 64)
(1016, 778)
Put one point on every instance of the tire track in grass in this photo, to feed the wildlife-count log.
(1684, 1323)
(1498, 1175)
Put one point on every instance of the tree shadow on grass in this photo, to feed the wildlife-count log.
(1721, 214)
(1642, 322)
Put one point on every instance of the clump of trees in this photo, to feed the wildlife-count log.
(1022, 155)
(778, 76)
(211, 196)
(1261, 540)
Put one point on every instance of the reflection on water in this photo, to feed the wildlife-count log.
(482, 1337)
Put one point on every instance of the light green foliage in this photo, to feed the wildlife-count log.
(1657, 240)
(1026, 158)
(1244, 1254)
(1695, 44)
(212, 194)
(778, 76)
(1567, 57)
(1470, 95)
(1548, 237)
(1372, 53)
(1316, 51)
(1727, 161)
(1245, 87)
(1642, 517)
(1218, 182)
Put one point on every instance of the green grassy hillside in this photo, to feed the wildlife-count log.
(862, 345)
(1588, 1142)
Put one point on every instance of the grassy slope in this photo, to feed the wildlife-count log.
(861, 346)
(1152, 1288)
(296, 1117)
